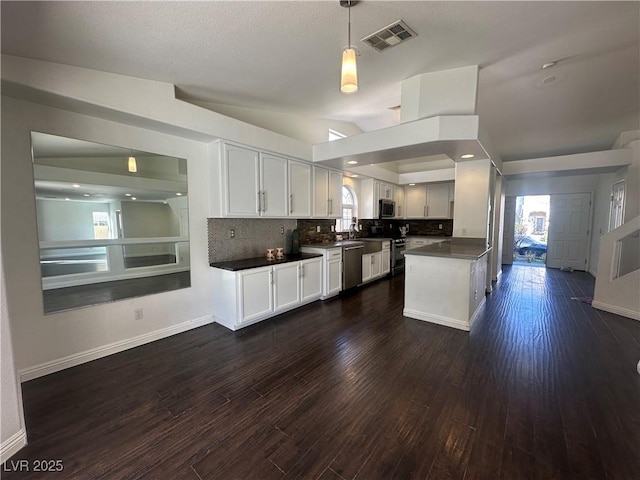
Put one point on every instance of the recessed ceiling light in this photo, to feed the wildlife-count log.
(127, 194)
(354, 175)
(133, 198)
(352, 162)
(86, 195)
(67, 199)
(467, 155)
(412, 184)
(178, 194)
(548, 65)
(75, 185)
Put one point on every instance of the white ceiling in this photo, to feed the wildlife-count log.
(284, 57)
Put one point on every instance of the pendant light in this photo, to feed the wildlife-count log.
(133, 167)
(349, 76)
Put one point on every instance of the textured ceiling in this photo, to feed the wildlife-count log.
(284, 57)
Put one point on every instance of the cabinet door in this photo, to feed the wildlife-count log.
(286, 286)
(299, 189)
(385, 266)
(255, 299)
(416, 202)
(320, 192)
(274, 196)
(366, 266)
(334, 277)
(335, 194)
(399, 198)
(241, 182)
(311, 279)
(438, 201)
(386, 191)
(376, 264)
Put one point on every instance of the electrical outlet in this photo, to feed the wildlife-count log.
(360, 227)
(232, 233)
(333, 228)
(464, 231)
(282, 230)
(440, 226)
(138, 314)
(318, 228)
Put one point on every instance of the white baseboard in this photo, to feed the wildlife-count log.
(446, 321)
(12, 445)
(88, 355)
(625, 312)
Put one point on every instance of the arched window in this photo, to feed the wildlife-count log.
(349, 208)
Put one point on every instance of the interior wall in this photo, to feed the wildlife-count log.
(471, 207)
(632, 176)
(67, 220)
(46, 343)
(148, 219)
(12, 431)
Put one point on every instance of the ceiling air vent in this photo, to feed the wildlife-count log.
(389, 36)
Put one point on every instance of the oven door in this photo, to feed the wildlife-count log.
(397, 259)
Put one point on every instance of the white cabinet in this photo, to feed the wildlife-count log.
(399, 198)
(255, 298)
(327, 193)
(429, 201)
(416, 201)
(367, 263)
(377, 264)
(244, 297)
(385, 191)
(438, 201)
(286, 286)
(310, 272)
(385, 262)
(299, 189)
(240, 181)
(273, 199)
(331, 269)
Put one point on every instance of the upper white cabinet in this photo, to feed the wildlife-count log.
(241, 181)
(429, 201)
(438, 201)
(416, 201)
(245, 182)
(385, 191)
(273, 200)
(299, 189)
(399, 195)
(327, 193)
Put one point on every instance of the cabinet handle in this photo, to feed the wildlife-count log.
(264, 201)
(302, 270)
(291, 203)
(424, 211)
(427, 210)
(329, 206)
(271, 277)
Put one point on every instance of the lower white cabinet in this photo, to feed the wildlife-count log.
(331, 269)
(377, 264)
(244, 297)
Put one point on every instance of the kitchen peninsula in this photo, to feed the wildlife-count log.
(445, 282)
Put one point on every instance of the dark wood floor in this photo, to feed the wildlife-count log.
(542, 387)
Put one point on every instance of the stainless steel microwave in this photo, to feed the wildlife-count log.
(387, 208)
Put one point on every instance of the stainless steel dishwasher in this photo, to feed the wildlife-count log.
(351, 266)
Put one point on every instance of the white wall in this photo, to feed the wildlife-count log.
(148, 219)
(46, 343)
(632, 176)
(12, 430)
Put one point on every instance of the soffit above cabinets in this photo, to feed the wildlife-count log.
(437, 137)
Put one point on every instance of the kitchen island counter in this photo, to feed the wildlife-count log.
(445, 282)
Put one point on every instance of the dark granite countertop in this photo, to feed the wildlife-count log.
(464, 248)
(342, 243)
(246, 263)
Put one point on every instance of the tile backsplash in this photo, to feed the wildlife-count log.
(252, 237)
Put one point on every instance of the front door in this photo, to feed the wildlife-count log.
(569, 231)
